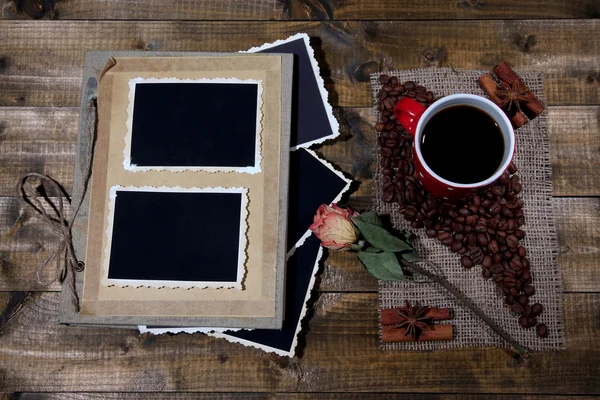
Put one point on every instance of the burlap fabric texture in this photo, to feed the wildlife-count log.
(533, 159)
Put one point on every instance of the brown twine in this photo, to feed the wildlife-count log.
(66, 263)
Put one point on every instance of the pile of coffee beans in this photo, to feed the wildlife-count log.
(484, 229)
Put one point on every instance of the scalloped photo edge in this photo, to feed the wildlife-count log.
(157, 284)
(256, 168)
(335, 126)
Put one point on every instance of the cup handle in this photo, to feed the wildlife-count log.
(408, 112)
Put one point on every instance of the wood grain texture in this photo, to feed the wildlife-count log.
(575, 151)
(42, 60)
(291, 396)
(340, 353)
(40, 140)
(297, 9)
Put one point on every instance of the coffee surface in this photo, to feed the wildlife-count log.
(462, 144)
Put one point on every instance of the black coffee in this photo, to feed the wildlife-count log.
(462, 144)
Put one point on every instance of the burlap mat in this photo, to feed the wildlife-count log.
(533, 160)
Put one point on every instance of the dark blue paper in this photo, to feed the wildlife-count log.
(310, 121)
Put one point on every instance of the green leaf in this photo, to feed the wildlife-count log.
(369, 217)
(384, 266)
(410, 256)
(381, 238)
(372, 249)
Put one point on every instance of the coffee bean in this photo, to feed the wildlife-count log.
(512, 204)
(416, 224)
(429, 95)
(510, 300)
(476, 254)
(531, 321)
(487, 261)
(523, 322)
(511, 225)
(459, 236)
(527, 312)
(498, 278)
(512, 168)
(384, 79)
(520, 220)
(447, 242)
(493, 249)
(507, 254)
(471, 220)
(529, 290)
(509, 282)
(518, 308)
(496, 258)
(517, 188)
(462, 251)
(431, 233)
(473, 208)
(495, 209)
(519, 285)
(486, 273)
(523, 300)
(505, 211)
(443, 236)
(512, 241)
(542, 331)
(537, 309)
(519, 234)
(482, 240)
(456, 246)
(409, 85)
(387, 88)
(514, 292)
(394, 80)
(497, 269)
(498, 190)
(504, 178)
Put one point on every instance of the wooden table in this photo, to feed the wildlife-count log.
(40, 79)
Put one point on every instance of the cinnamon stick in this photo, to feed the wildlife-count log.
(533, 107)
(389, 316)
(489, 86)
(434, 333)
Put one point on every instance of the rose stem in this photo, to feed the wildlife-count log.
(448, 286)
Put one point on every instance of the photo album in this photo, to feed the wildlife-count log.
(203, 186)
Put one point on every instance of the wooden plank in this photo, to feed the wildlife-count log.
(575, 150)
(341, 355)
(42, 60)
(291, 396)
(298, 10)
(44, 139)
(40, 140)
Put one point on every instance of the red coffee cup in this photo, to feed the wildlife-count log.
(413, 116)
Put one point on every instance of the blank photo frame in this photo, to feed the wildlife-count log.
(194, 124)
(177, 237)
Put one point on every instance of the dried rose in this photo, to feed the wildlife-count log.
(332, 225)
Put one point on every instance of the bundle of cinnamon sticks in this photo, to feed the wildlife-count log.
(522, 105)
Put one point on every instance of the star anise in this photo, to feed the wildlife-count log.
(512, 95)
(414, 320)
